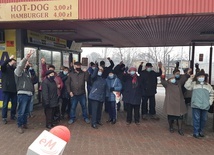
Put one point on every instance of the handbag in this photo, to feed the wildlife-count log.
(116, 93)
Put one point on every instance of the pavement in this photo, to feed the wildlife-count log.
(149, 138)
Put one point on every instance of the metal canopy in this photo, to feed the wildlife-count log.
(138, 32)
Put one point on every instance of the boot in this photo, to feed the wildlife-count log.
(180, 130)
(171, 129)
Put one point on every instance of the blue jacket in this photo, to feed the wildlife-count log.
(116, 84)
(98, 88)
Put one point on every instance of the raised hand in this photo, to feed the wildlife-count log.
(43, 61)
(29, 54)
(12, 57)
(189, 71)
(160, 64)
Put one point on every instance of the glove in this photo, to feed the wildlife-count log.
(111, 89)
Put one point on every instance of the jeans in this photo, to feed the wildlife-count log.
(112, 109)
(199, 120)
(8, 96)
(23, 109)
(130, 108)
(74, 101)
(96, 107)
(65, 103)
(144, 107)
(31, 105)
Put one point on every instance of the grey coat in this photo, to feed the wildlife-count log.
(174, 103)
(23, 80)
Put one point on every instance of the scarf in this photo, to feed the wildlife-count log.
(134, 79)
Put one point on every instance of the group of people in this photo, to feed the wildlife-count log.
(105, 86)
(184, 90)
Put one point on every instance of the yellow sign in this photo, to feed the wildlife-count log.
(39, 10)
(45, 40)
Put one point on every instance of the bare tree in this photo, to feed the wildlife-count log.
(94, 57)
(127, 55)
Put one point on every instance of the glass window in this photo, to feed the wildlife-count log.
(75, 58)
(57, 60)
(66, 59)
(45, 54)
(202, 56)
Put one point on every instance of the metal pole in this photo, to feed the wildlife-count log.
(210, 73)
(168, 64)
(193, 57)
(210, 63)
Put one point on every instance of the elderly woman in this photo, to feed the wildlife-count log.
(97, 96)
(202, 98)
(174, 104)
(132, 95)
(49, 97)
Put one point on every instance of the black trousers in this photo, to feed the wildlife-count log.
(65, 103)
(49, 115)
(130, 108)
(144, 107)
(96, 109)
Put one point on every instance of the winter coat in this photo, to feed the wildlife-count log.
(8, 79)
(23, 80)
(202, 94)
(76, 82)
(64, 92)
(187, 93)
(49, 93)
(149, 81)
(99, 87)
(120, 74)
(132, 92)
(89, 82)
(107, 69)
(116, 84)
(174, 103)
(57, 79)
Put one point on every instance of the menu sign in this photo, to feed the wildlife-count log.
(45, 40)
(39, 10)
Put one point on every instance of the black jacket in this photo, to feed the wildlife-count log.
(64, 92)
(8, 79)
(107, 69)
(149, 81)
(131, 92)
(49, 93)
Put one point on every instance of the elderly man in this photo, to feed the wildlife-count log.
(76, 87)
(149, 86)
(9, 88)
(25, 90)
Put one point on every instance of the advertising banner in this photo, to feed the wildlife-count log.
(39, 10)
(45, 40)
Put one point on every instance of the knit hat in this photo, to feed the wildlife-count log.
(49, 72)
(132, 69)
(201, 73)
